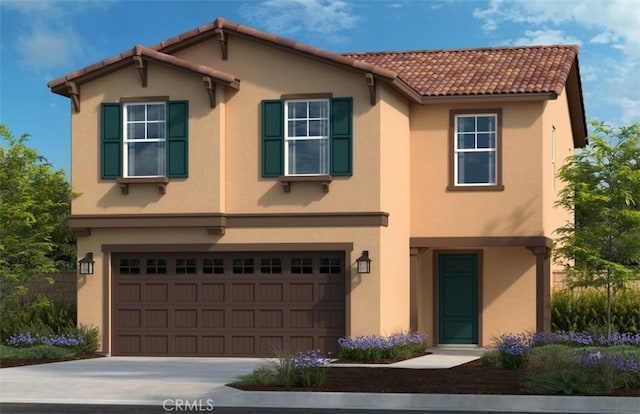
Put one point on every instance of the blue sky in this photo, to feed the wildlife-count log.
(41, 40)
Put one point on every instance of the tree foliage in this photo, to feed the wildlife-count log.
(34, 206)
(601, 247)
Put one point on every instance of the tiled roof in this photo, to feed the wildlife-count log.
(533, 69)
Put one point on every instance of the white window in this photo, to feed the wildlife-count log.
(307, 137)
(475, 158)
(144, 139)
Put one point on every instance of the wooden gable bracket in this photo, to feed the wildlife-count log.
(141, 65)
(371, 84)
(74, 93)
(210, 86)
(222, 41)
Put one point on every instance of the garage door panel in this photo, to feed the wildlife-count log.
(157, 318)
(243, 318)
(243, 345)
(271, 318)
(227, 304)
(186, 318)
(156, 344)
(213, 318)
(156, 292)
(301, 343)
(301, 318)
(301, 292)
(186, 292)
(129, 318)
(130, 292)
(130, 344)
(186, 344)
(243, 292)
(330, 318)
(213, 292)
(271, 292)
(213, 345)
(331, 292)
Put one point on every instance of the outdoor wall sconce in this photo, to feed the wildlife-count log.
(363, 263)
(85, 265)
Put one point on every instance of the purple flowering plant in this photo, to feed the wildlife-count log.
(27, 339)
(594, 358)
(373, 348)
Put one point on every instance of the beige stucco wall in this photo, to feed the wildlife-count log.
(394, 188)
(281, 72)
(556, 115)
(201, 192)
(507, 292)
(516, 211)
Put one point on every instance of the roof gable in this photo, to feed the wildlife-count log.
(533, 72)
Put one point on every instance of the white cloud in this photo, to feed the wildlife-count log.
(630, 110)
(46, 40)
(614, 20)
(45, 47)
(545, 37)
(309, 16)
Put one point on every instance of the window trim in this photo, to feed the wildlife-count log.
(323, 139)
(125, 141)
(453, 185)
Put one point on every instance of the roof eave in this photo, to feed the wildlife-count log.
(513, 97)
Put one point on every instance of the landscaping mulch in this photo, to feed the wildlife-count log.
(469, 378)
(14, 362)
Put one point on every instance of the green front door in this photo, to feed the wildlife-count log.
(458, 298)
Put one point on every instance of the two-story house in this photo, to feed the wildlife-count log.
(229, 179)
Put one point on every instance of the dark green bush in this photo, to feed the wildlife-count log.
(586, 311)
(550, 357)
(565, 382)
(41, 316)
(90, 335)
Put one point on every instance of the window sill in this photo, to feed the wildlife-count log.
(286, 181)
(499, 187)
(161, 182)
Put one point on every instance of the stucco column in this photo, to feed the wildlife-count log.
(414, 275)
(543, 287)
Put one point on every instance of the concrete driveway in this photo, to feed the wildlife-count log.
(124, 380)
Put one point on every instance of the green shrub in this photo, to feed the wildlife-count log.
(491, 358)
(550, 357)
(36, 352)
(305, 369)
(587, 310)
(90, 335)
(40, 317)
(576, 381)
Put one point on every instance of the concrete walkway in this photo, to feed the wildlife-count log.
(158, 381)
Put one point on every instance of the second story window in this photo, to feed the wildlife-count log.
(307, 137)
(144, 139)
(476, 158)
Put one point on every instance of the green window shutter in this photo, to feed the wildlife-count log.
(342, 136)
(272, 138)
(111, 141)
(177, 139)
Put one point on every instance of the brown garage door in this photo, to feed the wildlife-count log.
(227, 304)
